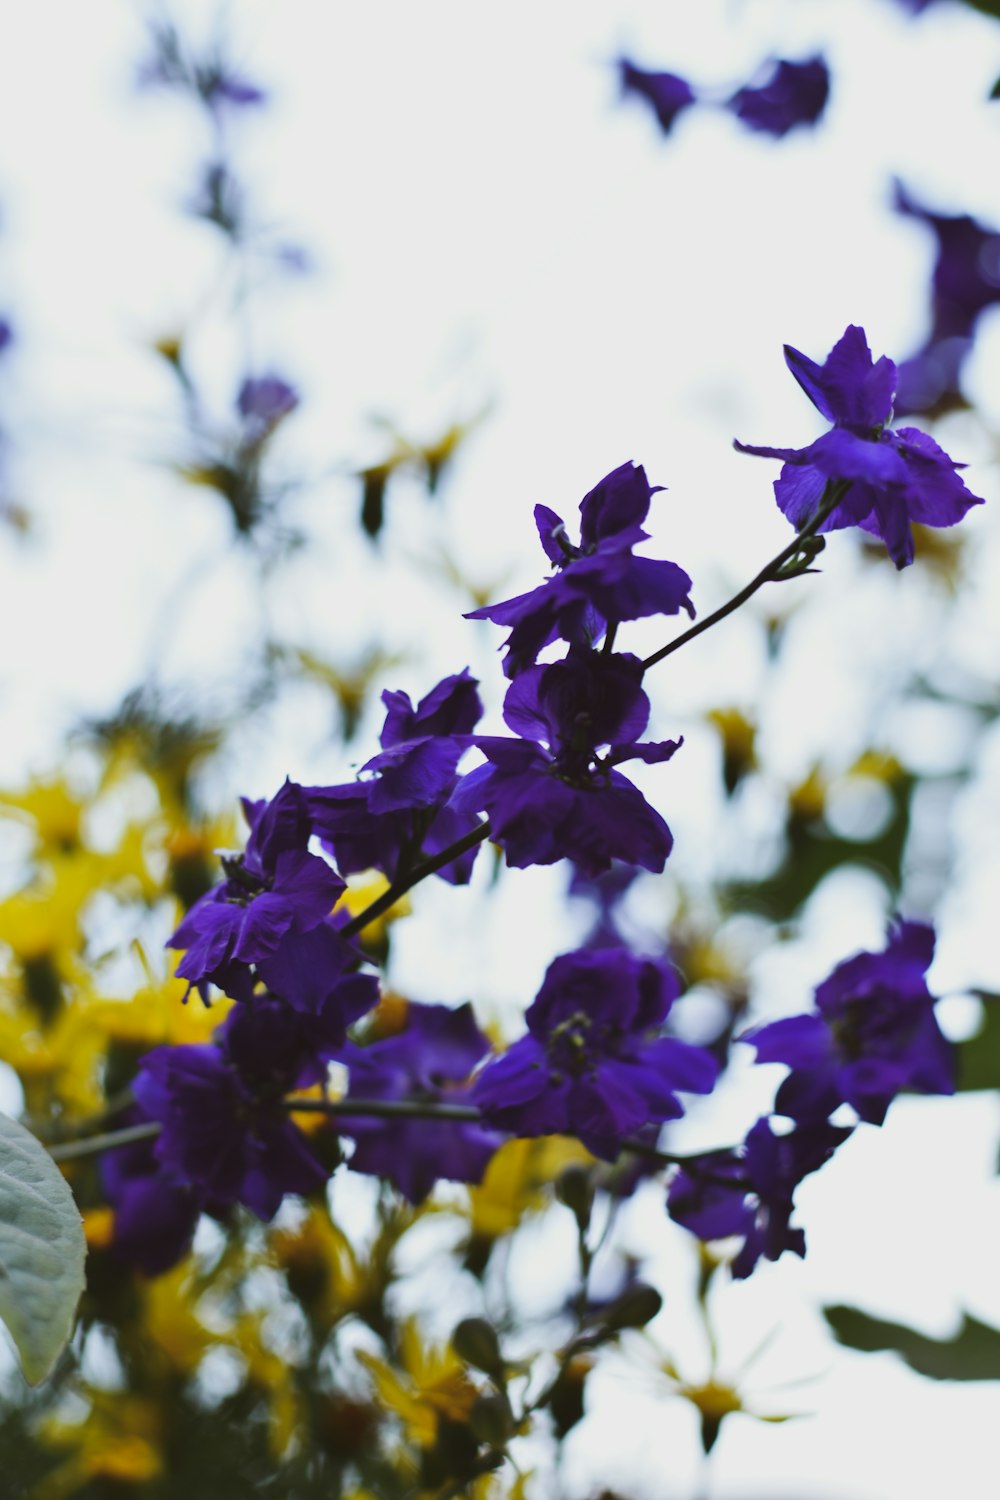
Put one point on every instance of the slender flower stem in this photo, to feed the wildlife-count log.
(388, 1109)
(407, 881)
(89, 1145)
(384, 1109)
(770, 573)
(59, 1129)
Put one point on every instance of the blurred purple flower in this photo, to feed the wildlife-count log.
(429, 1060)
(667, 94)
(155, 1214)
(263, 401)
(225, 1131)
(793, 93)
(872, 1035)
(749, 1192)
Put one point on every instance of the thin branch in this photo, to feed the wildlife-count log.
(389, 1109)
(770, 573)
(90, 1144)
(406, 882)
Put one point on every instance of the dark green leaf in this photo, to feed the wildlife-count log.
(972, 1354)
(979, 1056)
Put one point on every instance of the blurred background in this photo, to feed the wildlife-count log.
(304, 308)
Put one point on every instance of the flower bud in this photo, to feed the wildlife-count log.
(490, 1420)
(575, 1188)
(475, 1341)
(636, 1307)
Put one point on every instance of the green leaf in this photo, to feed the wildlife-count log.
(42, 1251)
(987, 7)
(979, 1056)
(972, 1354)
(812, 852)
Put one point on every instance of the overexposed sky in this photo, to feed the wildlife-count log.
(490, 228)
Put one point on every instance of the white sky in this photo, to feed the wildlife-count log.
(489, 226)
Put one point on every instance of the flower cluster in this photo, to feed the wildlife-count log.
(426, 1098)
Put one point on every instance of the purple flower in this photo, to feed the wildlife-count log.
(421, 746)
(429, 1060)
(598, 583)
(666, 93)
(315, 972)
(966, 277)
(749, 1192)
(401, 813)
(225, 1131)
(792, 93)
(931, 380)
(965, 281)
(219, 85)
(872, 1035)
(552, 795)
(155, 1216)
(276, 886)
(263, 401)
(589, 1066)
(209, 79)
(889, 478)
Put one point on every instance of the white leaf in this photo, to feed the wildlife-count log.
(42, 1251)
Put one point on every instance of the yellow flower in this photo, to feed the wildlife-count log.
(514, 1182)
(158, 1014)
(53, 809)
(322, 1268)
(431, 1383)
(171, 1321)
(61, 1061)
(120, 1439)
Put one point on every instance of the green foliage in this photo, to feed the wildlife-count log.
(979, 1056)
(812, 851)
(972, 1354)
(42, 1251)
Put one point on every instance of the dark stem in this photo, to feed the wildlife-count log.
(410, 878)
(770, 573)
(385, 1109)
(90, 1144)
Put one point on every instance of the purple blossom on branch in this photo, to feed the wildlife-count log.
(225, 1131)
(155, 1214)
(872, 1035)
(889, 479)
(749, 1192)
(430, 1060)
(598, 583)
(552, 795)
(592, 1064)
(401, 813)
(276, 886)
